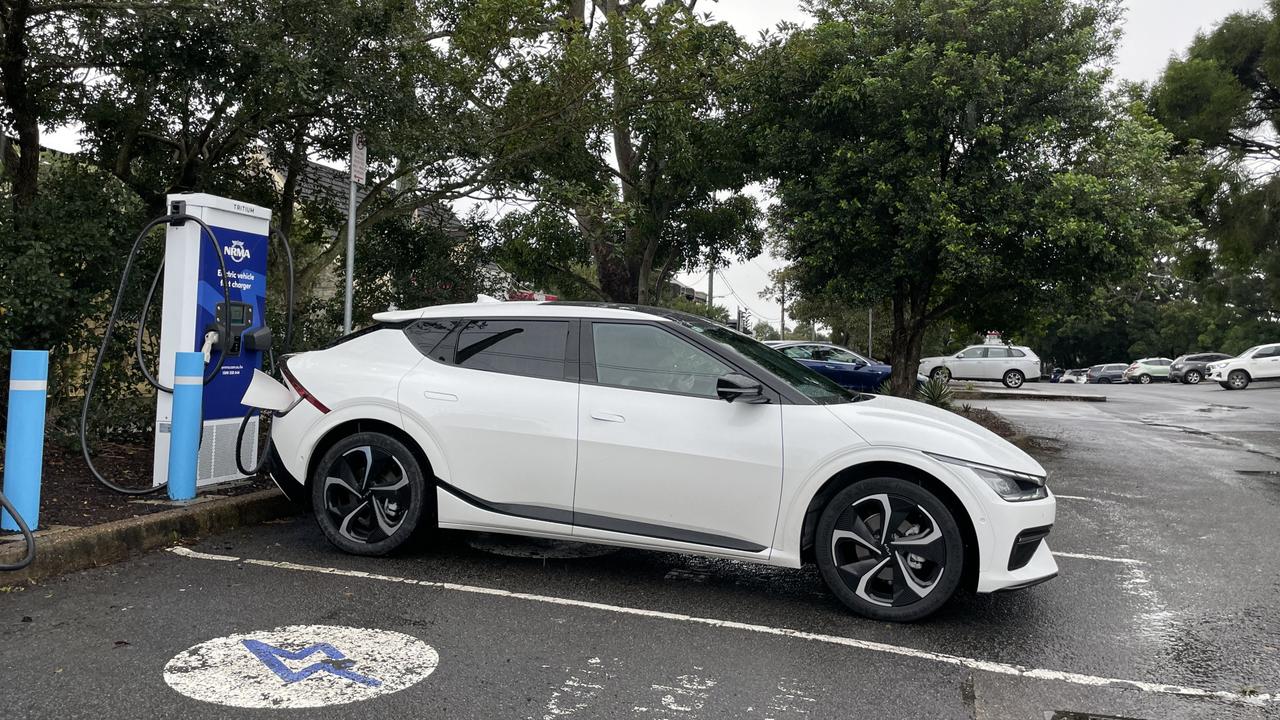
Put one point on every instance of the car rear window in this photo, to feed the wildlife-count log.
(427, 334)
(532, 348)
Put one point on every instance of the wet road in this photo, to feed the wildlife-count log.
(1167, 528)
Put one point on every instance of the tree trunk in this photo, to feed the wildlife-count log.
(289, 191)
(905, 343)
(14, 16)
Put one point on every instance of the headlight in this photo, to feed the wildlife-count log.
(1011, 485)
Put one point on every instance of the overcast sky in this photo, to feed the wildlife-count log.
(1155, 30)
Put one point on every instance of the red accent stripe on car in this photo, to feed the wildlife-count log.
(302, 391)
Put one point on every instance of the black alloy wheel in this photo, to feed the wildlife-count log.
(1193, 377)
(889, 549)
(368, 494)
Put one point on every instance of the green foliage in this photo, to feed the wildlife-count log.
(693, 307)
(958, 160)
(936, 393)
(764, 331)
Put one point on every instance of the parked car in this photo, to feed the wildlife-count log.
(1191, 369)
(1011, 365)
(1079, 375)
(1147, 369)
(1257, 363)
(847, 368)
(1056, 375)
(1106, 374)
(653, 429)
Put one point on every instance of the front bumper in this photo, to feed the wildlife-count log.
(1019, 554)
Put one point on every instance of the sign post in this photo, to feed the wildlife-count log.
(359, 166)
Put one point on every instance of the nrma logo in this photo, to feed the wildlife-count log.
(237, 251)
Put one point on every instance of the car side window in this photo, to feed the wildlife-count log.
(799, 352)
(1015, 352)
(997, 352)
(973, 353)
(533, 348)
(838, 355)
(645, 357)
(1267, 352)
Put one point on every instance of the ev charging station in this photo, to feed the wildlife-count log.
(194, 310)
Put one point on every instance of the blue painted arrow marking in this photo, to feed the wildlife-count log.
(336, 664)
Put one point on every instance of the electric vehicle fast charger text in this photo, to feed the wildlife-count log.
(652, 429)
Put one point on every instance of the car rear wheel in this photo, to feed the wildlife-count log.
(368, 494)
(940, 374)
(889, 549)
(1193, 377)
(1013, 379)
(1144, 379)
(1104, 381)
(1238, 380)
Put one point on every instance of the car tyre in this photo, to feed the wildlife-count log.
(1104, 381)
(902, 575)
(368, 494)
(1144, 379)
(941, 374)
(1193, 377)
(1237, 380)
(1013, 379)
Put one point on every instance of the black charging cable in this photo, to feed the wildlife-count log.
(224, 330)
(27, 537)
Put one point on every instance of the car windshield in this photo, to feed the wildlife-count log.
(805, 381)
(1249, 352)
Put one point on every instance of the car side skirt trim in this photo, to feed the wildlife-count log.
(602, 522)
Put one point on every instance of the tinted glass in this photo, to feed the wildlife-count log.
(534, 348)
(974, 353)
(427, 334)
(1116, 368)
(1014, 352)
(645, 357)
(1266, 352)
(799, 352)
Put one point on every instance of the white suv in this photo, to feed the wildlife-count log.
(1010, 364)
(1257, 363)
(652, 429)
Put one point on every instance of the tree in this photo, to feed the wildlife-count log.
(650, 180)
(764, 331)
(959, 160)
(1222, 102)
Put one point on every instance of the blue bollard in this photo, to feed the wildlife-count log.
(186, 425)
(24, 441)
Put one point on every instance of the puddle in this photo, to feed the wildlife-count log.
(1260, 473)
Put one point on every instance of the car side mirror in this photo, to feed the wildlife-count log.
(733, 386)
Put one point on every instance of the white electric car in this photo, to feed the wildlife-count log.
(652, 429)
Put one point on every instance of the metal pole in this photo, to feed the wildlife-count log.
(868, 331)
(186, 427)
(782, 300)
(711, 285)
(351, 258)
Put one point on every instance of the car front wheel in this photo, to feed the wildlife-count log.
(1013, 379)
(889, 549)
(1192, 378)
(368, 494)
(1144, 379)
(940, 374)
(1238, 380)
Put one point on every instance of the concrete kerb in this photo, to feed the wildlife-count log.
(96, 545)
(1013, 395)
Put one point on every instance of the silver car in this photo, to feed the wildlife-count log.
(1010, 364)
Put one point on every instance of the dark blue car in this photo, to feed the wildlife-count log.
(846, 367)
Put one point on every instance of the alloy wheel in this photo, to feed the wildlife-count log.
(1238, 380)
(888, 550)
(1144, 379)
(1194, 377)
(1013, 379)
(367, 494)
(941, 374)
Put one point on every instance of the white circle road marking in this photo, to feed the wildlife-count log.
(300, 666)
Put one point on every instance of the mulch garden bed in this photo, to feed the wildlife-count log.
(69, 494)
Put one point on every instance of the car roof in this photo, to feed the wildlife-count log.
(532, 308)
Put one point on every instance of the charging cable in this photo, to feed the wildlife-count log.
(27, 537)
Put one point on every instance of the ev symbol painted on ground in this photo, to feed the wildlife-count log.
(300, 666)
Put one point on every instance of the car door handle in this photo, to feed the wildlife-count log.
(608, 417)
(433, 395)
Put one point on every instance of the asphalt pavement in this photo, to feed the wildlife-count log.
(1166, 538)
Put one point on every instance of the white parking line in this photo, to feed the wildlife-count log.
(1102, 558)
(1060, 496)
(956, 660)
